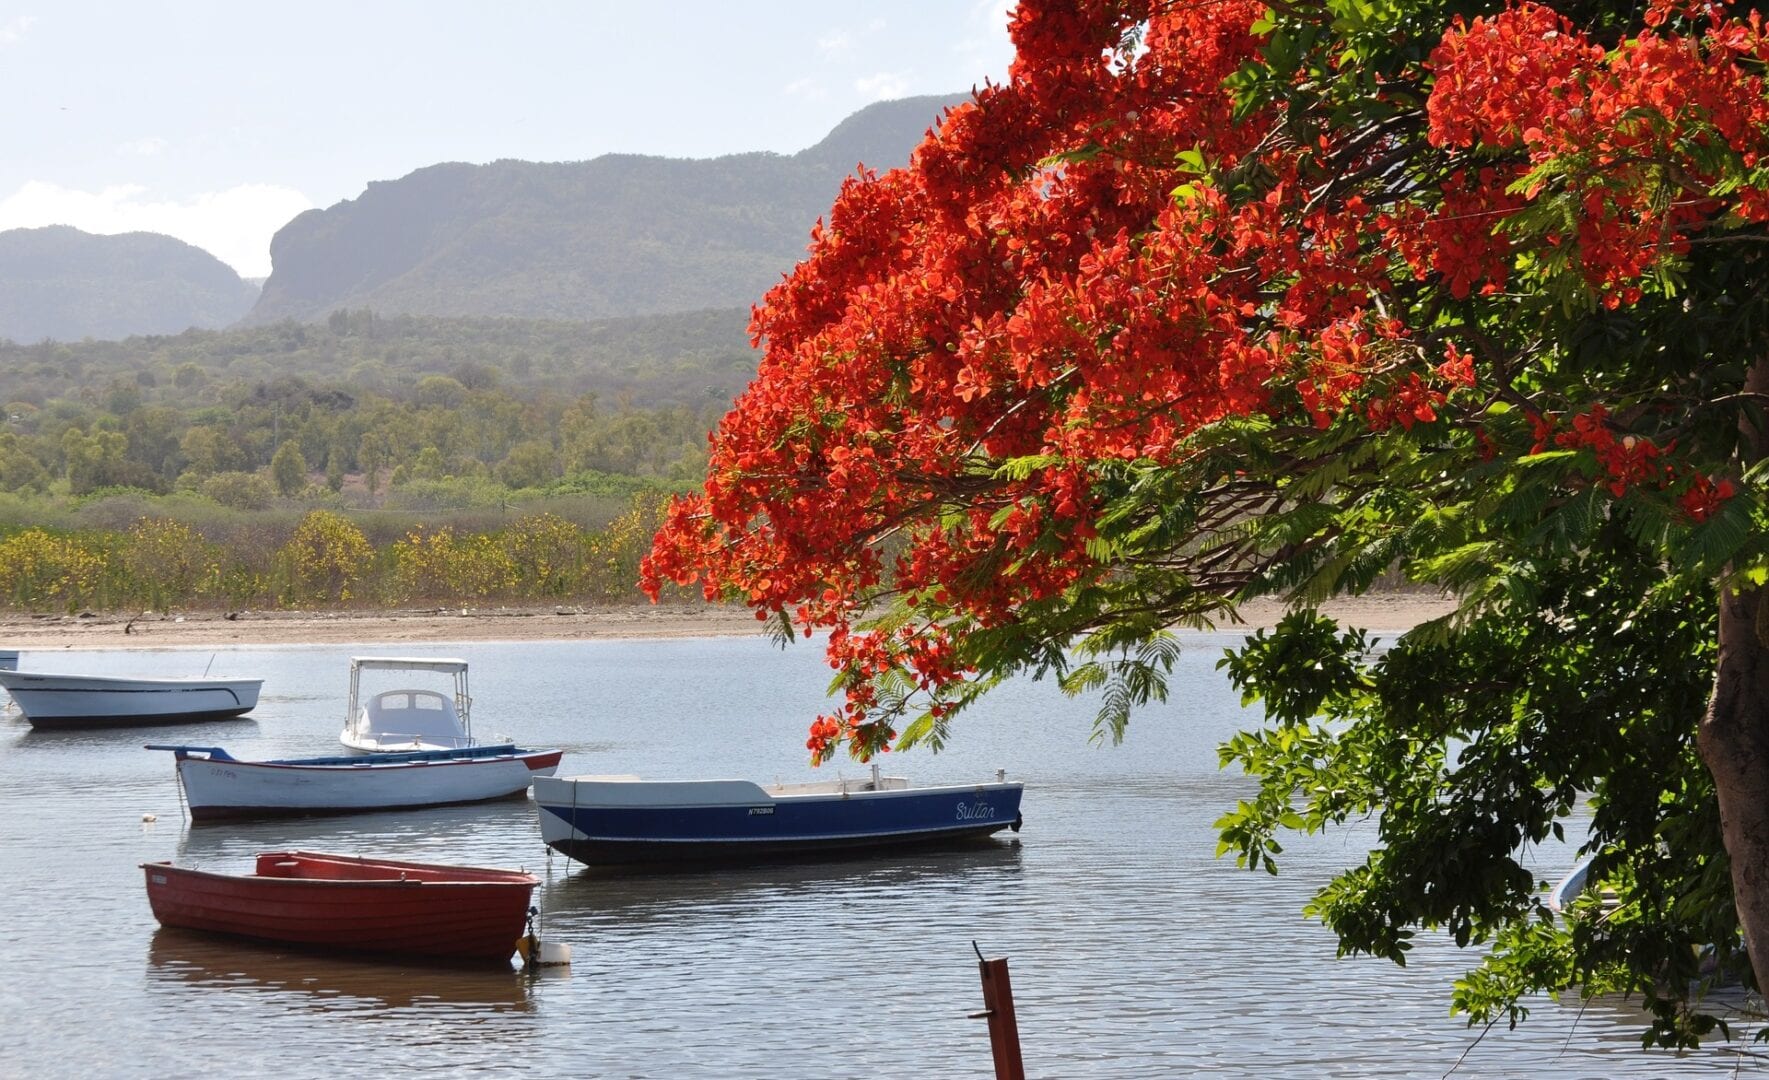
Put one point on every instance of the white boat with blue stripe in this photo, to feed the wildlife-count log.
(66, 700)
(611, 820)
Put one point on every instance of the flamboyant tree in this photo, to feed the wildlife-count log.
(1215, 299)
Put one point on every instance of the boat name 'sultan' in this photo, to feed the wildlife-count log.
(977, 811)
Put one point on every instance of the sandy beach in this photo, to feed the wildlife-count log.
(114, 630)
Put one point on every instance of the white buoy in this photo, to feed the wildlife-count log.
(150, 818)
(554, 954)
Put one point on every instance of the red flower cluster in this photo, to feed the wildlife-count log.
(1703, 497)
(1645, 134)
(1629, 460)
(1460, 240)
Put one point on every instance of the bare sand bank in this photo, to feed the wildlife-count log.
(1388, 611)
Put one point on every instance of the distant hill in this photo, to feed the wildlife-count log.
(618, 235)
(61, 283)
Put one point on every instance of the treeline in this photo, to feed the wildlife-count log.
(174, 414)
(644, 361)
(321, 559)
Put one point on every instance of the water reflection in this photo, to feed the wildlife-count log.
(504, 830)
(636, 894)
(112, 737)
(329, 984)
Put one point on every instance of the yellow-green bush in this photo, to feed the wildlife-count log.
(166, 562)
(324, 560)
(550, 556)
(40, 571)
(436, 565)
(192, 553)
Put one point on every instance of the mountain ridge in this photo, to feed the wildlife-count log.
(612, 236)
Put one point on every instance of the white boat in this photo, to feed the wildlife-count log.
(1568, 888)
(1573, 885)
(408, 718)
(61, 700)
(218, 785)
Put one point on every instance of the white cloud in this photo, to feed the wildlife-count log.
(233, 225)
(14, 30)
(147, 147)
(883, 86)
(834, 44)
(808, 88)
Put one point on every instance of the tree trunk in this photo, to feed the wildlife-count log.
(1734, 735)
(1734, 742)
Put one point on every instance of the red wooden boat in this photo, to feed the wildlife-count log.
(351, 904)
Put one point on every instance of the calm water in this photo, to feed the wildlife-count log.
(1134, 953)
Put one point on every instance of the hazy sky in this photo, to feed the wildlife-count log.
(216, 122)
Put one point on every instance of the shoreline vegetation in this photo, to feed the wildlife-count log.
(1389, 611)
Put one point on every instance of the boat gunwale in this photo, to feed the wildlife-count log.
(493, 876)
(466, 755)
(861, 790)
(155, 682)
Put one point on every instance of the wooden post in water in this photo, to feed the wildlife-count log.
(1004, 1030)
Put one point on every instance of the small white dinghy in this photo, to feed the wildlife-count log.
(218, 785)
(63, 700)
(408, 718)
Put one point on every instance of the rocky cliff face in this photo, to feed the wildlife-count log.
(614, 236)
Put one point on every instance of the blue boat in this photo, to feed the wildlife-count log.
(609, 820)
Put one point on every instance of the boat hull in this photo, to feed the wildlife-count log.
(611, 822)
(343, 903)
(220, 787)
(50, 700)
